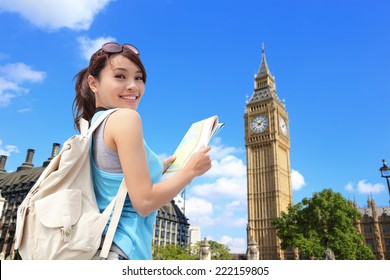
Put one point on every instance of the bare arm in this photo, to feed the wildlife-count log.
(123, 133)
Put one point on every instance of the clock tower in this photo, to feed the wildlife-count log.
(267, 141)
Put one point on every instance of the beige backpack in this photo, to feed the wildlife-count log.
(59, 217)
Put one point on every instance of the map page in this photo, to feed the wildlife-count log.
(200, 133)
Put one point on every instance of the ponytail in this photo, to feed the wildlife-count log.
(84, 101)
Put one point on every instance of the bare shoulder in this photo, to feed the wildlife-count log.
(122, 125)
(125, 115)
(124, 119)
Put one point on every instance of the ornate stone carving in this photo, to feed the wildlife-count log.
(204, 251)
(329, 255)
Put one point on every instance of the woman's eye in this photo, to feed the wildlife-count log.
(120, 76)
(139, 78)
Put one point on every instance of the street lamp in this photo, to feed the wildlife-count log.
(385, 173)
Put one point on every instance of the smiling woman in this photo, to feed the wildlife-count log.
(115, 78)
(121, 84)
(112, 74)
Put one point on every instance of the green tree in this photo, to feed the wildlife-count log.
(327, 220)
(173, 252)
(218, 251)
(176, 252)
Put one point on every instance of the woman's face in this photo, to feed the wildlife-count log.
(120, 84)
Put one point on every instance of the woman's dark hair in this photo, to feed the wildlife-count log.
(84, 103)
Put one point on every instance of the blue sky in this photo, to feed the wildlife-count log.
(330, 59)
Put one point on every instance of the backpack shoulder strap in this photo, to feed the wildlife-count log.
(118, 202)
(87, 132)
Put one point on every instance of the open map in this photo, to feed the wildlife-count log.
(200, 133)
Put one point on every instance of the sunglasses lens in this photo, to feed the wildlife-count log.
(132, 48)
(112, 47)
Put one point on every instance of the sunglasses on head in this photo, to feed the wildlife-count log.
(112, 47)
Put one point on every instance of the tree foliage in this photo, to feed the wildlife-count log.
(176, 252)
(173, 252)
(218, 251)
(327, 220)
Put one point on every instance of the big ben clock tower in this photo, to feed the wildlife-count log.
(268, 162)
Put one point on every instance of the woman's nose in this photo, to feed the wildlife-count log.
(131, 85)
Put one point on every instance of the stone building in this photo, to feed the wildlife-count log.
(375, 227)
(267, 142)
(194, 235)
(171, 226)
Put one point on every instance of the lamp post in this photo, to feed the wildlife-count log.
(385, 173)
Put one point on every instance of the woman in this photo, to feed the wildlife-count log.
(115, 78)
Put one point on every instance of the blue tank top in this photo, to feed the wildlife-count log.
(134, 233)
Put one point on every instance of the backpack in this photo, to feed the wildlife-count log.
(59, 217)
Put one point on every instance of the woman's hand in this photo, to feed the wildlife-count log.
(199, 162)
(168, 161)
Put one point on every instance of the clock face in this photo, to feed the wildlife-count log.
(259, 124)
(283, 126)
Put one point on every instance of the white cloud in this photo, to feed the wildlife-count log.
(219, 151)
(236, 245)
(52, 15)
(8, 90)
(222, 188)
(7, 149)
(12, 76)
(198, 205)
(229, 166)
(365, 187)
(89, 46)
(230, 174)
(297, 180)
(199, 211)
(20, 72)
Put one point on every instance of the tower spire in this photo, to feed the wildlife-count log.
(264, 84)
(263, 70)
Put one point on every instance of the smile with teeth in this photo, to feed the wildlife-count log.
(129, 97)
